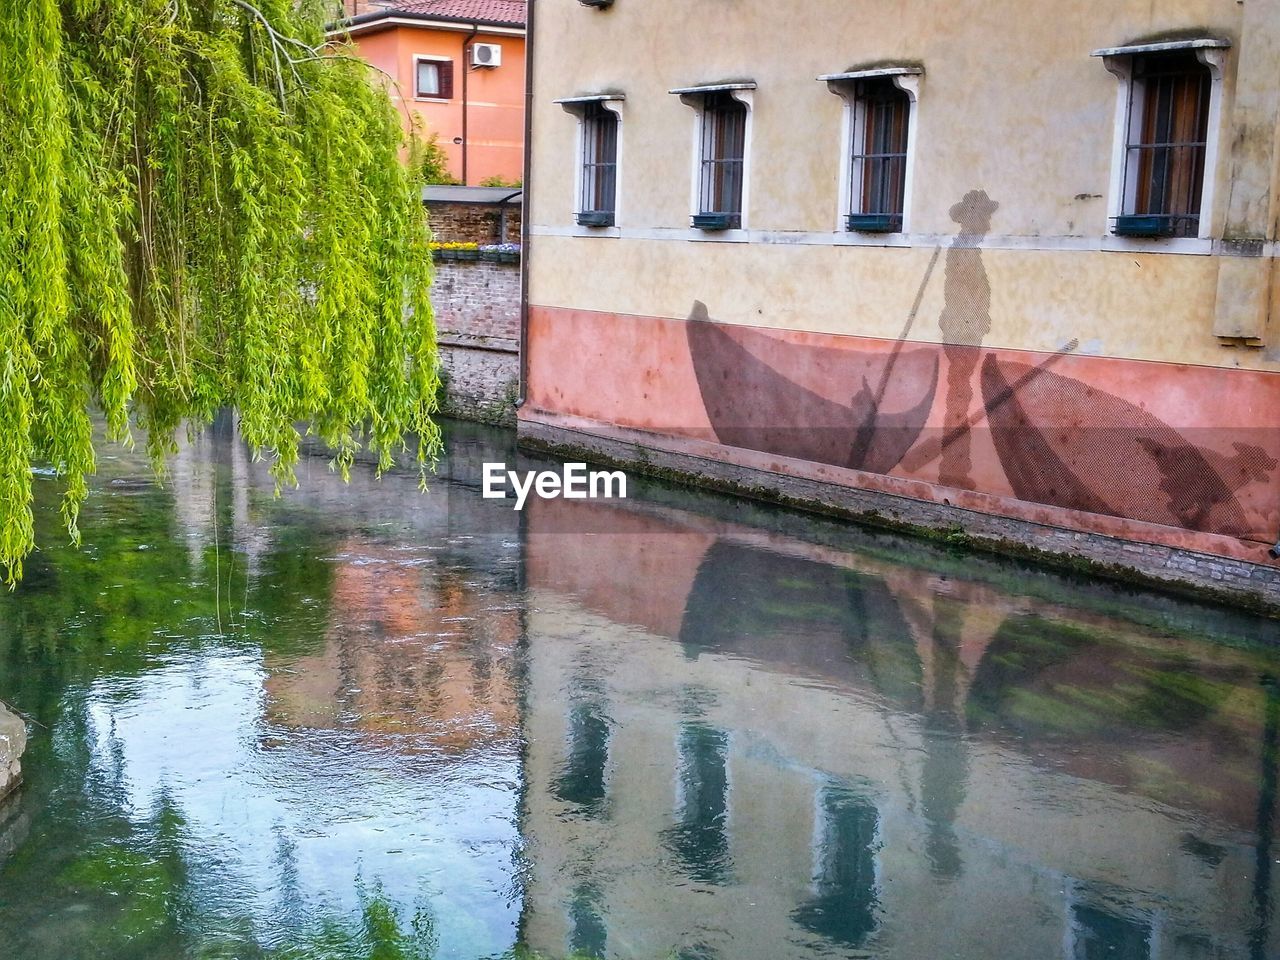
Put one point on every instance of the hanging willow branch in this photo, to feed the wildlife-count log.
(200, 207)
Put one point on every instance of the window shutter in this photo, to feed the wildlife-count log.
(446, 79)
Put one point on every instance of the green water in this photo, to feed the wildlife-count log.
(360, 722)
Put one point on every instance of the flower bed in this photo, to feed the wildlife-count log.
(493, 252)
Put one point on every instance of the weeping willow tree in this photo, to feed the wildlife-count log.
(201, 206)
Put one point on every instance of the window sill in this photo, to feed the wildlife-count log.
(1195, 246)
(595, 233)
(839, 238)
(1145, 226)
(873, 223)
(433, 99)
(716, 222)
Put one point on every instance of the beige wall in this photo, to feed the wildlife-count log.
(1011, 102)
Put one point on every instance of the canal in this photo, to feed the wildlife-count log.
(358, 722)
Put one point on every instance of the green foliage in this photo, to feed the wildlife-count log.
(201, 206)
(140, 886)
(499, 182)
(434, 162)
(379, 935)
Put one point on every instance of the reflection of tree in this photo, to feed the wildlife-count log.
(145, 893)
(119, 883)
(843, 908)
(132, 595)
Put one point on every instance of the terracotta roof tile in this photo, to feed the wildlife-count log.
(488, 11)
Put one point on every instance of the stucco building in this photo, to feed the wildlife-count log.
(458, 71)
(1000, 265)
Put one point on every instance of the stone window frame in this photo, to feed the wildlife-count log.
(695, 97)
(907, 78)
(1119, 61)
(577, 107)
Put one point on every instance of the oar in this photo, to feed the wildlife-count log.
(862, 436)
(928, 452)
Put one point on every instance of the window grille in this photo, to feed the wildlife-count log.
(878, 171)
(599, 165)
(722, 152)
(1168, 138)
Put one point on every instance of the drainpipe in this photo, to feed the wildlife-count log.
(502, 215)
(466, 72)
(522, 393)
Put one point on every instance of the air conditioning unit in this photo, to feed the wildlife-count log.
(486, 55)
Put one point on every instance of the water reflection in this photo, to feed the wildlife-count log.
(588, 934)
(582, 778)
(700, 837)
(845, 841)
(358, 722)
(944, 775)
(889, 753)
(277, 728)
(1099, 935)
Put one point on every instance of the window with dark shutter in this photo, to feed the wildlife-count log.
(434, 79)
(1168, 138)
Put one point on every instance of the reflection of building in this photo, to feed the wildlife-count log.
(404, 643)
(831, 753)
(409, 650)
(969, 260)
(458, 69)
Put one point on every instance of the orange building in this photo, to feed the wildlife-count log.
(458, 67)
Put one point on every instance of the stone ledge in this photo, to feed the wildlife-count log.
(468, 341)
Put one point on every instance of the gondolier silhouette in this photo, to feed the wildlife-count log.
(965, 321)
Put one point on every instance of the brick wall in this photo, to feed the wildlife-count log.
(474, 222)
(480, 384)
(477, 299)
(477, 305)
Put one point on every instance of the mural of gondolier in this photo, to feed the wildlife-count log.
(965, 321)
(1058, 435)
